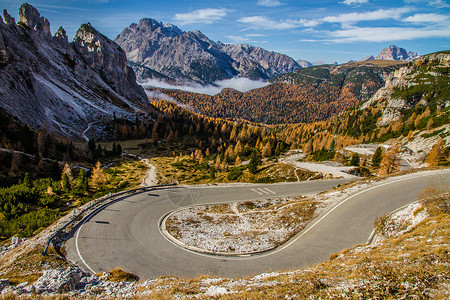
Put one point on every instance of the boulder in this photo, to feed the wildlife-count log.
(60, 281)
(3, 283)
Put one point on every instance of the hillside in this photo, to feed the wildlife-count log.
(273, 104)
(363, 79)
(411, 111)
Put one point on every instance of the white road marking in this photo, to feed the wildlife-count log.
(257, 191)
(263, 191)
(269, 190)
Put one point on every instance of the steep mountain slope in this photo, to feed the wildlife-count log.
(363, 79)
(193, 57)
(67, 87)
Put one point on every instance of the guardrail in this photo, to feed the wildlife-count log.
(154, 187)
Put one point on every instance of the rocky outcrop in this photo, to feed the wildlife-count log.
(304, 63)
(66, 87)
(191, 56)
(8, 19)
(32, 18)
(107, 59)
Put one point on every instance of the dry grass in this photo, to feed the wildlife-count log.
(28, 265)
(184, 171)
(118, 275)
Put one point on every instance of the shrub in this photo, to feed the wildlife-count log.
(234, 174)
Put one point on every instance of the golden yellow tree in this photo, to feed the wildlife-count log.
(98, 177)
(389, 162)
(437, 154)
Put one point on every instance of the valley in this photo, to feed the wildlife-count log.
(296, 189)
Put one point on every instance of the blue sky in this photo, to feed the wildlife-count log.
(315, 30)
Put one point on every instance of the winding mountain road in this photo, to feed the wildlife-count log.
(126, 234)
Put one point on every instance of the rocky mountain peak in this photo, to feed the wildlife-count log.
(396, 53)
(193, 57)
(61, 36)
(148, 24)
(30, 16)
(367, 58)
(8, 19)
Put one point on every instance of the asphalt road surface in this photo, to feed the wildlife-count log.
(126, 234)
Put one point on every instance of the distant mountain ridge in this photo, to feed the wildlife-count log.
(66, 87)
(393, 53)
(154, 48)
(362, 79)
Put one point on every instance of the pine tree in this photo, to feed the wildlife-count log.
(27, 181)
(389, 163)
(218, 162)
(255, 161)
(67, 170)
(355, 160)
(65, 184)
(437, 154)
(238, 161)
(377, 156)
(267, 150)
(83, 183)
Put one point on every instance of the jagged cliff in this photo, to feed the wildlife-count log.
(67, 87)
(155, 48)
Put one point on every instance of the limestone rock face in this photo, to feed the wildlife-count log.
(32, 18)
(193, 57)
(107, 59)
(67, 87)
(8, 19)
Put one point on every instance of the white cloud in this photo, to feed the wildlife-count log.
(350, 18)
(207, 16)
(246, 38)
(427, 18)
(385, 34)
(355, 2)
(256, 34)
(381, 14)
(432, 3)
(237, 83)
(238, 38)
(270, 3)
(266, 23)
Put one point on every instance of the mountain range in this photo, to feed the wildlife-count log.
(164, 51)
(156, 49)
(70, 87)
(67, 87)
